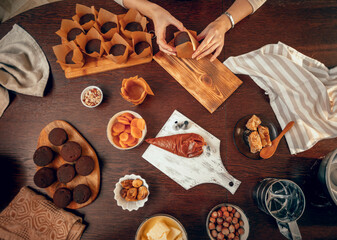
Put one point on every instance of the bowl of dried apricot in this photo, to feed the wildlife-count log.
(126, 130)
(227, 221)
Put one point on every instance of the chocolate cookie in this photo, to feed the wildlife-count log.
(181, 38)
(117, 50)
(141, 46)
(44, 177)
(81, 193)
(93, 45)
(134, 27)
(85, 165)
(87, 18)
(72, 34)
(69, 59)
(71, 151)
(62, 197)
(107, 26)
(43, 156)
(65, 173)
(58, 136)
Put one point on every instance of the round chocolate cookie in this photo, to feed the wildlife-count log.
(93, 45)
(87, 18)
(81, 193)
(43, 156)
(85, 165)
(44, 177)
(181, 38)
(134, 27)
(117, 50)
(58, 136)
(72, 34)
(69, 60)
(71, 151)
(141, 46)
(62, 197)
(65, 173)
(107, 26)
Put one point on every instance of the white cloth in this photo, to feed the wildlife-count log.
(23, 66)
(300, 89)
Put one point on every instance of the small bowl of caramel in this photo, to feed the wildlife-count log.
(91, 96)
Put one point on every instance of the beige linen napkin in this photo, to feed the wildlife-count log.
(300, 89)
(23, 66)
(31, 216)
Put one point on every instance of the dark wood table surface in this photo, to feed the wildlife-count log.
(308, 26)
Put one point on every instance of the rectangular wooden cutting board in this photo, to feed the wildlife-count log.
(211, 83)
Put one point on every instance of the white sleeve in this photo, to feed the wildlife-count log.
(120, 2)
(255, 4)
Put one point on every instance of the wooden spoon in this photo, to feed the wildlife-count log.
(267, 152)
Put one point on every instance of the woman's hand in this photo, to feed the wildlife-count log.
(214, 38)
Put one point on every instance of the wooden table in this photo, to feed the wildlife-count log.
(308, 26)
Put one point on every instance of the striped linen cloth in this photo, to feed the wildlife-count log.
(300, 89)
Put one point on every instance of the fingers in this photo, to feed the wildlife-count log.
(178, 24)
(163, 46)
(207, 51)
(202, 35)
(206, 43)
(217, 53)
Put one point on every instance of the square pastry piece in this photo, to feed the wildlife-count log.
(254, 142)
(253, 122)
(264, 135)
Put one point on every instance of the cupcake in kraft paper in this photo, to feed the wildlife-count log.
(92, 43)
(129, 205)
(133, 21)
(69, 55)
(69, 30)
(141, 44)
(85, 16)
(106, 24)
(185, 43)
(117, 49)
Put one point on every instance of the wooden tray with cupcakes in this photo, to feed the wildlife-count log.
(67, 166)
(94, 42)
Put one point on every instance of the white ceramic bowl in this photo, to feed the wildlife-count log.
(87, 89)
(134, 205)
(141, 226)
(113, 120)
(243, 218)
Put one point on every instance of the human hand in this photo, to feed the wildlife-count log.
(161, 19)
(214, 38)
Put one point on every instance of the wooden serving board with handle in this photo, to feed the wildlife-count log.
(211, 83)
(190, 172)
(92, 180)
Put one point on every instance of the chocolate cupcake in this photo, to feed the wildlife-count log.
(69, 60)
(181, 38)
(81, 193)
(62, 197)
(117, 50)
(93, 45)
(72, 34)
(141, 46)
(43, 156)
(87, 18)
(44, 177)
(65, 173)
(85, 165)
(71, 151)
(107, 26)
(134, 27)
(58, 136)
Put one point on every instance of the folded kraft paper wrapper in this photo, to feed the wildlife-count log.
(141, 37)
(62, 50)
(105, 16)
(117, 39)
(66, 26)
(135, 90)
(185, 50)
(132, 16)
(31, 216)
(82, 10)
(82, 41)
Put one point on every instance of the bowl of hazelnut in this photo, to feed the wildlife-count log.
(91, 96)
(227, 221)
(131, 192)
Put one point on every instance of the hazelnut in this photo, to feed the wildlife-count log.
(236, 225)
(214, 233)
(226, 214)
(229, 208)
(211, 219)
(241, 231)
(219, 220)
(237, 215)
(223, 208)
(220, 213)
(211, 226)
(241, 223)
(214, 214)
(218, 228)
(229, 219)
(226, 224)
(225, 231)
(231, 236)
(235, 220)
(221, 236)
(231, 228)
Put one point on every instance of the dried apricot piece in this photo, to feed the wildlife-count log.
(134, 122)
(114, 133)
(116, 140)
(130, 139)
(127, 129)
(128, 116)
(123, 145)
(123, 120)
(118, 127)
(124, 136)
(141, 123)
(135, 132)
(133, 143)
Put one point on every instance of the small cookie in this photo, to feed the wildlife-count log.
(84, 165)
(81, 193)
(58, 136)
(44, 177)
(62, 197)
(65, 173)
(71, 151)
(43, 156)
